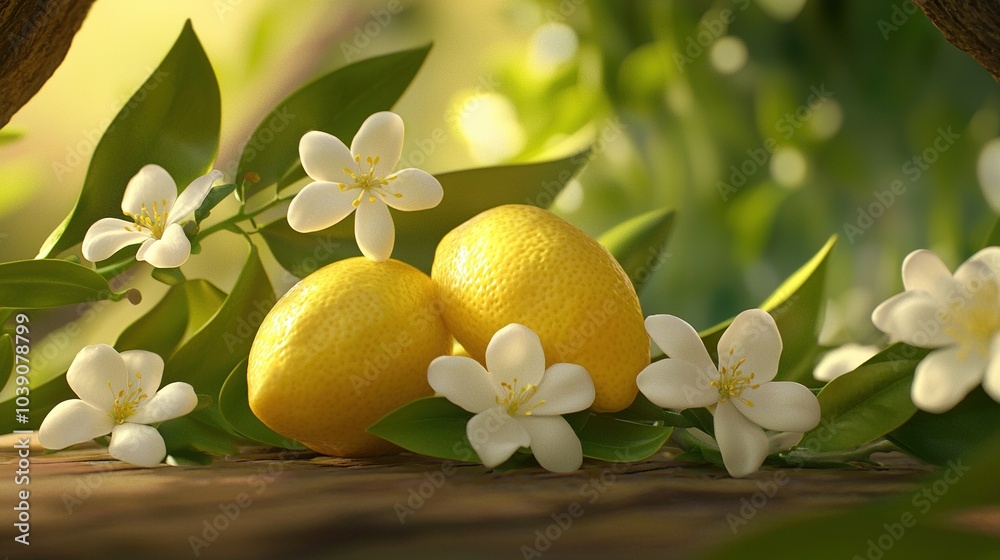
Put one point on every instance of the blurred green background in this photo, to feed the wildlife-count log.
(683, 101)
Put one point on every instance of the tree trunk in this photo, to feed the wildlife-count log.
(34, 38)
(971, 25)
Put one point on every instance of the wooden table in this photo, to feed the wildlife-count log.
(262, 505)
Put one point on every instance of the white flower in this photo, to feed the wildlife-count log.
(361, 178)
(844, 359)
(959, 315)
(747, 401)
(118, 395)
(517, 402)
(152, 204)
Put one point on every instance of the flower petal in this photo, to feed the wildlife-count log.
(149, 366)
(151, 184)
(416, 190)
(109, 235)
(170, 251)
(515, 352)
(172, 401)
(679, 341)
(495, 436)
(553, 442)
(463, 381)
(564, 388)
(914, 318)
(984, 265)
(192, 197)
(324, 157)
(381, 136)
(319, 206)
(753, 337)
(924, 271)
(374, 230)
(742, 443)
(782, 406)
(675, 383)
(93, 368)
(942, 379)
(842, 360)
(73, 421)
(137, 444)
(991, 381)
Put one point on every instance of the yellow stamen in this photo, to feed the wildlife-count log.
(732, 381)
(516, 399)
(154, 220)
(127, 400)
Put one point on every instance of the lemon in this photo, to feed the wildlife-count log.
(522, 264)
(346, 345)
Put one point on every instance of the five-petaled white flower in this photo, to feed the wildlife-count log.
(361, 178)
(958, 315)
(518, 401)
(118, 395)
(746, 400)
(155, 209)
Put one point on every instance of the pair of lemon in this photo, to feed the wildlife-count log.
(352, 341)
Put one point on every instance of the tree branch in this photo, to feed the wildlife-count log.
(971, 25)
(34, 38)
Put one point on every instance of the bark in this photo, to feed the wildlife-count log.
(971, 25)
(34, 38)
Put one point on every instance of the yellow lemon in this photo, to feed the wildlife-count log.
(346, 345)
(522, 264)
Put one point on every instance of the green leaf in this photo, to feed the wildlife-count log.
(608, 438)
(8, 135)
(638, 243)
(336, 103)
(235, 409)
(940, 438)
(34, 284)
(696, 449)
(466, 194)
(865, 404)
(642, 410)
(168, 276)
(203, 300)
(161, 329)
(172, 120)
(210, 355)
(797, 308)
(215, 196)
(430, 426)
(186, 434)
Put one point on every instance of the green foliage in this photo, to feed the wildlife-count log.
(208, 357)
(430, 426)
(235, 409)
(336, 103)
(466, 193)
(34, 284)
(172, 120)
(797, 308)
(867, 403)
(215, 196)
(608, 438)
(940, 438)
(638, 243)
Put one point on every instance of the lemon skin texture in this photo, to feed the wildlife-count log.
(523, 264)
(345, 346)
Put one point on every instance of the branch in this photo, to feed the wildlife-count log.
(34, 38)
(971, 25)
